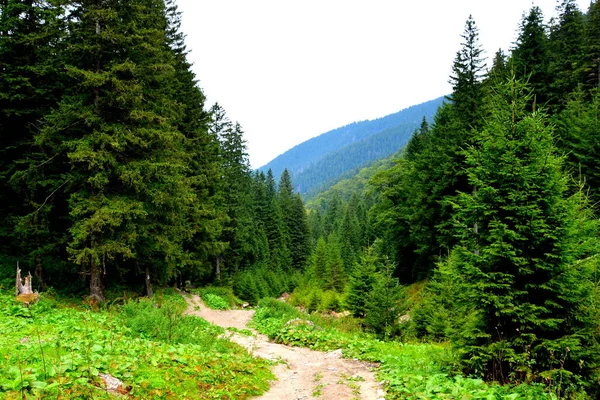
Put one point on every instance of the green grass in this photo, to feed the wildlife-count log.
(56, 349)
(408, 370)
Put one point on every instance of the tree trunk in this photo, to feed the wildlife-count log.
(96, 287)
(149, 291)
(218, 269)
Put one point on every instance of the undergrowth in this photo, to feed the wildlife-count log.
(56, 349)
(408, 370)
(218, 297)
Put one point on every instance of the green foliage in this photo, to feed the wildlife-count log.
(409, 371)
(215, 302)
(514, 260)
(381, 303)
(361, 284)
(56, 349)
(225, 296)
(259, 281)
(163, 321)
(314, 299)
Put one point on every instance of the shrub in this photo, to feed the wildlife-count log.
(215, 302)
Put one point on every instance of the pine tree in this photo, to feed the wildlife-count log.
(382, 302)
(318, 262)
(566, 54)
(513, 257)
(127, 180)
(591, 68)
(530, 57)
(335, 276)
(361, 283)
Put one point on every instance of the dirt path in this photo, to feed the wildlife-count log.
(302, 373)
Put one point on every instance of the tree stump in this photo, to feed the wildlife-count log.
(24, 292)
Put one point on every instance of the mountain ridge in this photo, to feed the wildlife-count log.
(323, 160)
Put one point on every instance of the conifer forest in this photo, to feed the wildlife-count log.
(480, 237)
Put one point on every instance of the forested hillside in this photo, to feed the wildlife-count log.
(481, 236)
(320, 162)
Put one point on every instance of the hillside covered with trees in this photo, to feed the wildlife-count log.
(480, 237)
(320, 162)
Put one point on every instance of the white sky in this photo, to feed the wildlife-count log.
(289, 70)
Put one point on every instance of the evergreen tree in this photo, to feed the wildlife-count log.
(361, 284)
(530, 56)
(349, 234)
(315, 225)
(32, 208)
(515, 234)
(126, 175)
(333, 214)
(591, 69)
(335, 276)
(566, 54)
(467, 74)
(299, 234)
(318, 262)
(578, 130)
(415, 144)
(382, 302)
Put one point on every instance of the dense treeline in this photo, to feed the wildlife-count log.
(489, 213)
(113, 171)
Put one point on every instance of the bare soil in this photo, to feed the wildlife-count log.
(301, 373)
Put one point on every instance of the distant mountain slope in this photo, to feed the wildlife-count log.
(356, 184)
(322, 161)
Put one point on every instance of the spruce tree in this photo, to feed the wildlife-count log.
(591, 69)
(467, 74)
(318, 262)
(335, 278)
(578, 131)
(299, 234)
(566, 66)
(530, 57)
(129, 191)
(516, 267)
(382, 302)
(361, 283)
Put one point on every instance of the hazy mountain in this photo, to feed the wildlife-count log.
(322, 161)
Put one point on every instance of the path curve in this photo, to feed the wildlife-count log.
(302, 373)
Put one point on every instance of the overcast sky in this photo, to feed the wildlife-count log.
(289, 70)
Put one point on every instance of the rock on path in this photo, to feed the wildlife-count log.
(301, 373)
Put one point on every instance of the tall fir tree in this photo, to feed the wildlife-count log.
(126, 175)
(530, 57)
(514, 255)
(566, 65)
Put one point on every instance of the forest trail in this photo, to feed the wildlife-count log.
(301, 373)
